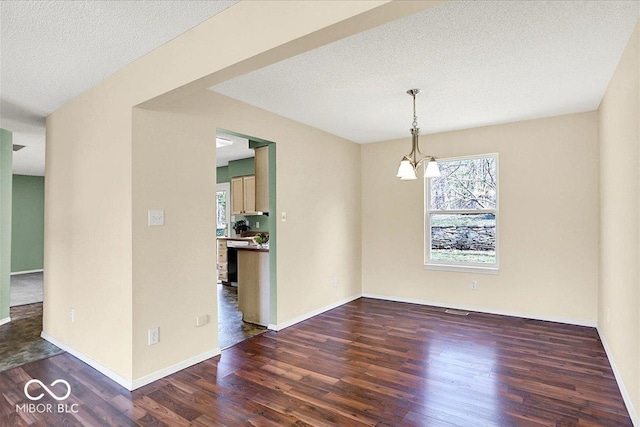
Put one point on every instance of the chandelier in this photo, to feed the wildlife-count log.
(410, 163)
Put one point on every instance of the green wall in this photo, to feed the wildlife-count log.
(253, 221)
(235, 168)
(242, 167)
(222, 174)
(6, 164)
(27, 225)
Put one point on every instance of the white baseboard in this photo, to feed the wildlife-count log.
(579, 322)
(633, 413)
(283, 325)
(155, 376)
(128, 384)
(15, 273)
(5, 320)
(89, 361)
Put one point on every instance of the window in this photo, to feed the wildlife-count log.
(461, 215)
(222, 209)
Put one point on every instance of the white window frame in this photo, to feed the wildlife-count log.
(470, 267)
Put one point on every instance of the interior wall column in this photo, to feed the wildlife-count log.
(6, 177)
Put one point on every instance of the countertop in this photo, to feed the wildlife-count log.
(250, 247)
(253, 248)
(242, 239)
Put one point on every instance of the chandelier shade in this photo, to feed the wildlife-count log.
(406, 170)
(432, 170)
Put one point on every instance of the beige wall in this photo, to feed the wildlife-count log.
(548, 222)
(90, 212)
(318, 186)
(174, 276)
(87, 240)
(619, 294)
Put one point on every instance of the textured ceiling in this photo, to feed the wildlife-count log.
(478, 63)
(52, 51)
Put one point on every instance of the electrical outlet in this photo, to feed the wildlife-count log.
(154, 336)
(474, 284)
(72, 314)
(202, 320)
(257, 224)
(156, 218)
(335, 282)
(283, 217)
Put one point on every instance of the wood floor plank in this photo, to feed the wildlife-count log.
(366, 363)
(159, 412)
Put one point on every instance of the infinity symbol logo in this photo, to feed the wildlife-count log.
(52, 394)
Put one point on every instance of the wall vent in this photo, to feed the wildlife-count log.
(456, 312)
(17, 147)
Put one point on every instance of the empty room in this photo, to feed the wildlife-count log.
(324, 213)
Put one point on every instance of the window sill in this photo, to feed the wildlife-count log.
(463, 268)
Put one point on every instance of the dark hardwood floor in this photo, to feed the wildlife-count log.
(20, 340)
(368, 362)
(231, 328)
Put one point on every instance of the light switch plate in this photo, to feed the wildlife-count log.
(156, 218)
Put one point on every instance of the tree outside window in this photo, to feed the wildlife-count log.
(461, 214)
(221, 213)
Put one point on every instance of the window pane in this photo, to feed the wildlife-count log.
(463, 238)
(221, 213)
(465, 184)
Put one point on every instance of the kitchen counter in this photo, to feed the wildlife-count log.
(239, 239)
(249, 246)
(254, 288)
(241, 260)
(253, 248)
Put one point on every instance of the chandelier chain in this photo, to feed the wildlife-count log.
(415, 117)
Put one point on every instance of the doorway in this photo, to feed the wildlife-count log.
(237, 162)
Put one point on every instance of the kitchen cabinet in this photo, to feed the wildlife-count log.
(243, 195)
(223, 261)
(262, 179)
(227, 262)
